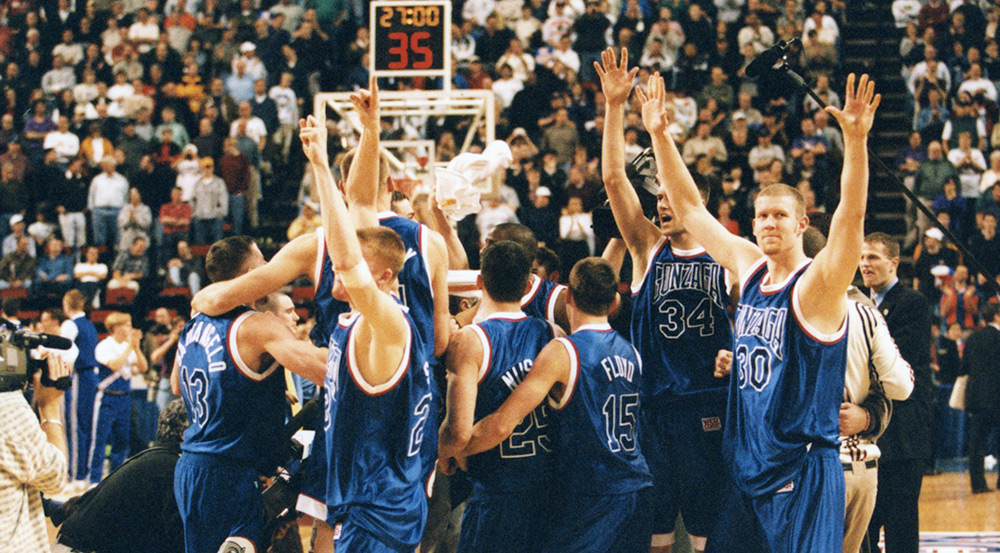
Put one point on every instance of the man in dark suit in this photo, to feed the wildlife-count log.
(982, 395)
(906, 444)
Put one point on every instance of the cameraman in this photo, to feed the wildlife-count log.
(32, 459)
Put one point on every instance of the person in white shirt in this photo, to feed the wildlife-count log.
(121, 90)
(478, 10)
(755, 34)
(288, 113)
(69, 51)
(825, 26)
(971, 164)
(90, 273)
(576, 231)
(120, 357)
(975, 84)
(254, 66)
(526, 26)
(254, 126)
(145, 31)
(506, 86)
(520, 62)
(566, 54)
(65, 143)
(108, 194)
(59, 78)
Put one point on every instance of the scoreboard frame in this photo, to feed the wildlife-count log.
(411, 30)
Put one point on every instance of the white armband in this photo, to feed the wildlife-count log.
(357, 276)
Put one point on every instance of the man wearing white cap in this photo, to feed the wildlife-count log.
(16, 232)
(248, 55)
(933, 253)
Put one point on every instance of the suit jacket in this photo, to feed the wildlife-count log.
(980, 362)
(910, 433)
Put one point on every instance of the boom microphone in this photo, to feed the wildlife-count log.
(766, 59)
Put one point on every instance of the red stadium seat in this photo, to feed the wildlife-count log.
(98, 315)
(14, 293)
(302, 294)
(200, 250)
(119, 296)
(177, 291)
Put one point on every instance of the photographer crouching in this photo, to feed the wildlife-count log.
(32, 450)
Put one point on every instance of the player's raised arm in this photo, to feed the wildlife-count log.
(438, 260)
(822, 290)
(729, 250)
(361, 185)
(551, 367)
(463, 363)
(296, 259)
(616, 81)
(457, 258)
(384, 323)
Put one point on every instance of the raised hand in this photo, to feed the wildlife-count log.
(313, 138)
(366, 104)
(616, 79)
(654, 115)
(859, 107)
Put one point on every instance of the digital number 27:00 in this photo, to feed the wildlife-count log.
(416, 16)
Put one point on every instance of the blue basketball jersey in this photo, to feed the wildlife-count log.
(788, 385)
(381, 441)
(86, 341)
(234, 412)
(414, 283)
(597, 426)
(521, 463)
(680, 322)
(540, 301)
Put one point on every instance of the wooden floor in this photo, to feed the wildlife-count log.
(948, 505)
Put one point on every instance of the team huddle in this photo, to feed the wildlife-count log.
(573, 437)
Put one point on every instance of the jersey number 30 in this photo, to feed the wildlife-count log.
(753, 367)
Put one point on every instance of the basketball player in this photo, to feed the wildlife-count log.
(782, 429)
(543, 299)
(592, 378)
(228, 372)
(380, 411)
(485, 363)
(423, 280)
(679, 323)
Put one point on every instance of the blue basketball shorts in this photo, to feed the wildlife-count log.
(601, 523)
(504, 522)
(218, 498)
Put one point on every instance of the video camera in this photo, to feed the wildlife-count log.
(641, 174)
(283, 492)
(17, 366)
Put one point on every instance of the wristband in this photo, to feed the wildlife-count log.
(357, 276)
(50, 421)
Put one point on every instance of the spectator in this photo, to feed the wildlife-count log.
(34, 460)
(168, 120)
(119, 357)
(145, 31)
(175, 221)
(13, 193)
(209, 204)
(576, 234)
(14, 154)
(984, 244)
(250, 125)
(494, 40)
(970, 164)
(981, 363)
(239, 84)
(703, 143)
(989, 200)
(590, 28)
(758, 36)
(134, 220)
(90, 275)
(991, 176)
(521, 63)
(60, 77)
(978, 87)
(561, 137)
(308, 221)
(41, 230)
(263, 107)
(718, 89)
(494, 212)
(237, 174)
(541, 216)
(95, 146)
(35, 129)
(17, 231)
(932, 118)
(70, 198)
(585, 186)
(65, 143)
(811, 140)
(956, 206)
(53, 271)
(764, 153)
(130, 267)
(287, 104)
(964, 117)
(185, 269)
(188, 170)
(929, 179)
(107, 196)
(933, 254)
(18, 267)
(959, 300)
(506, 86)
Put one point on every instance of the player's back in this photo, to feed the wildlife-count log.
(680, 322)
(380, 440)
(511, 341)
(540, 300)
(788, 388)
(414, 283)
(597, 421)
(234, 412)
